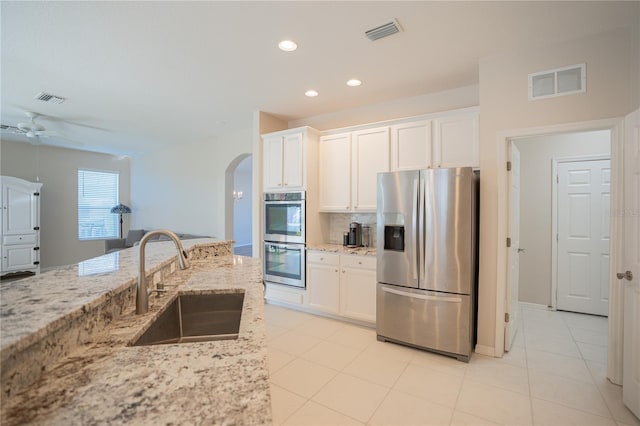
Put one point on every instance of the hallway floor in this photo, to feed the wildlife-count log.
(326, 372)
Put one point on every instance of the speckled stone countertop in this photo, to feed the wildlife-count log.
(336, 248)
(106, 381)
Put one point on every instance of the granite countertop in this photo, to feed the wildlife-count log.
(106, 381)
(337, 248)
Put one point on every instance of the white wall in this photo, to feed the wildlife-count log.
(182, 188)
(536, 184)
(242, 211)
(58, 171)
(504, 106)
(407, 107)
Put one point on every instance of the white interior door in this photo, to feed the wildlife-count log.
(583, 236)
(512, 307)
(631, 262)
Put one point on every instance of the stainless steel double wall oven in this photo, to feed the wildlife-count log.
(284, 238)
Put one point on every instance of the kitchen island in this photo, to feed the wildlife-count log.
(66, 354)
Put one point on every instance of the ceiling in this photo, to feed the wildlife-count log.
(140, 76)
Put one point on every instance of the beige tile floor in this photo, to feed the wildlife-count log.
(326, 372)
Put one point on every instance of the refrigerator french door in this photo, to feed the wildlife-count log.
(427, 268)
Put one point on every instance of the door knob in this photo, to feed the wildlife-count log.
(520, 250)
(628, 275)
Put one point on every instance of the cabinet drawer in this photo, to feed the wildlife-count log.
(20, 239)
(323, 257)
(355, 261)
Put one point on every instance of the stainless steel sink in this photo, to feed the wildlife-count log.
(196, 318)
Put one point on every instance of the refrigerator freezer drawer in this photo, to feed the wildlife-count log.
(430, 320)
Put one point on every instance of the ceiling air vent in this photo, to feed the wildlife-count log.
(558, 82)
(52, 99)
(383, 30)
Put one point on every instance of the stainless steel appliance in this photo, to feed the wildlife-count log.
(284, 254)
(355, 234)
(284, 217)
(284, 263)
(427, 259)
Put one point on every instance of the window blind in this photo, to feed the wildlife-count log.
(97, 194)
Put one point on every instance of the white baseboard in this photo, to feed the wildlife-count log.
(485, 350)
(538, 306)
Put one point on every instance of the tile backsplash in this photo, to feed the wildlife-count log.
(339, 223)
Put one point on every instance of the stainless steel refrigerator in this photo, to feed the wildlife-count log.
(427, 259)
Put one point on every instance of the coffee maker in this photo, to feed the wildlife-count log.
(355, 234)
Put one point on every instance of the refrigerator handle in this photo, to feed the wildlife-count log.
(421, 230)
(422, 296)
(414, 230)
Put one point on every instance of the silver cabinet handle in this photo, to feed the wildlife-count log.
(627, 275)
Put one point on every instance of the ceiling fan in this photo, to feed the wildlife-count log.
(33, 130)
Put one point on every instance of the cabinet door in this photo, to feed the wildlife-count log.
(272, 154)
(370, 156)
(456, 141)
(323, 287)
(334, 173)
(20, 209)
(358, 294)
(18, 258)
(293, 164)
(411, 146)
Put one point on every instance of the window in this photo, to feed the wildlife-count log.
(97, 194)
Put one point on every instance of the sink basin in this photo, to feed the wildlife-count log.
(196, 318)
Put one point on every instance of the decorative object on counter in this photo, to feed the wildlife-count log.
(366, 236)
(120, 209)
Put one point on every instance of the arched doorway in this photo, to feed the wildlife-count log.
(238, 200)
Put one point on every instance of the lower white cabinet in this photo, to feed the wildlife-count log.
(358, 287)
(341, 284)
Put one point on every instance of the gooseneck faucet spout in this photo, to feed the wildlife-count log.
(142, 294)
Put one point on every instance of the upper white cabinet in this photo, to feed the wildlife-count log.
(20, 225)
(348, 168)
(370, 155)
(284, 156)
(411, 146)
(334, 172)
(456, 141)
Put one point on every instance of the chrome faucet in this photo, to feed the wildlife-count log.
(142, 294)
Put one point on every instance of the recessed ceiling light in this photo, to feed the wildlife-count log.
(354, 82)
(287, 45)
(311, 93)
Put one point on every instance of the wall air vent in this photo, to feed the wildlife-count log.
(383, 30)
(558, 82)
(51, 99)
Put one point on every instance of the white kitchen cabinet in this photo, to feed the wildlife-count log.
(342, 285)
(456, 142)
(323, 281)
(284, 164)
(411, 146)
(370, 155)
(358, 287)
(348, 168)
(334, 173)
(20, 225)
